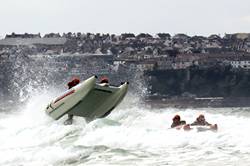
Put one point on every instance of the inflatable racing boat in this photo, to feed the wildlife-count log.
(87, 99)
(188, 127)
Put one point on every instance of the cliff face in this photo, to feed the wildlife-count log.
(215, 81)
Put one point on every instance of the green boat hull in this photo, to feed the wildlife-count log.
(88, 99)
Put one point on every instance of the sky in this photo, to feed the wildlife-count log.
(192, 17)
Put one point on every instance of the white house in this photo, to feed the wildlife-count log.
(241, 64)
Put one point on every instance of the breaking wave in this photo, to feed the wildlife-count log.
(133, 134)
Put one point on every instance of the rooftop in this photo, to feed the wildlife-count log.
(32, 41)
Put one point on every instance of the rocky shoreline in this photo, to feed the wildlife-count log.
(179, 102)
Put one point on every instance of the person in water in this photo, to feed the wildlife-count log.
(200, 121)
(71, 84)
(177, 121)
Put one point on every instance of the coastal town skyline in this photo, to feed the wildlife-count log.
(189, 17)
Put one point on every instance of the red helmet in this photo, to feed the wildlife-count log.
(104, 80)
(177, 117)
(201, 116)
(73, 83)
(76, 81)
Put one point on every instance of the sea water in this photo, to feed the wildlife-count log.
(133, 134)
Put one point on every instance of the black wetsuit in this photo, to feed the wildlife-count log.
(182, 122)
(197, 123)
(70, 116)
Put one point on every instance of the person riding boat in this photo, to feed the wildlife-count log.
(200, 121)
(71, 84)
(177, 121)
(104, 81)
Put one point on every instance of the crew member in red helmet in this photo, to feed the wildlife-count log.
(200, 121)
(71, 84)
(177, 121)
(104, 81)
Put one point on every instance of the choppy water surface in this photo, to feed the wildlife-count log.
(134, 134)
